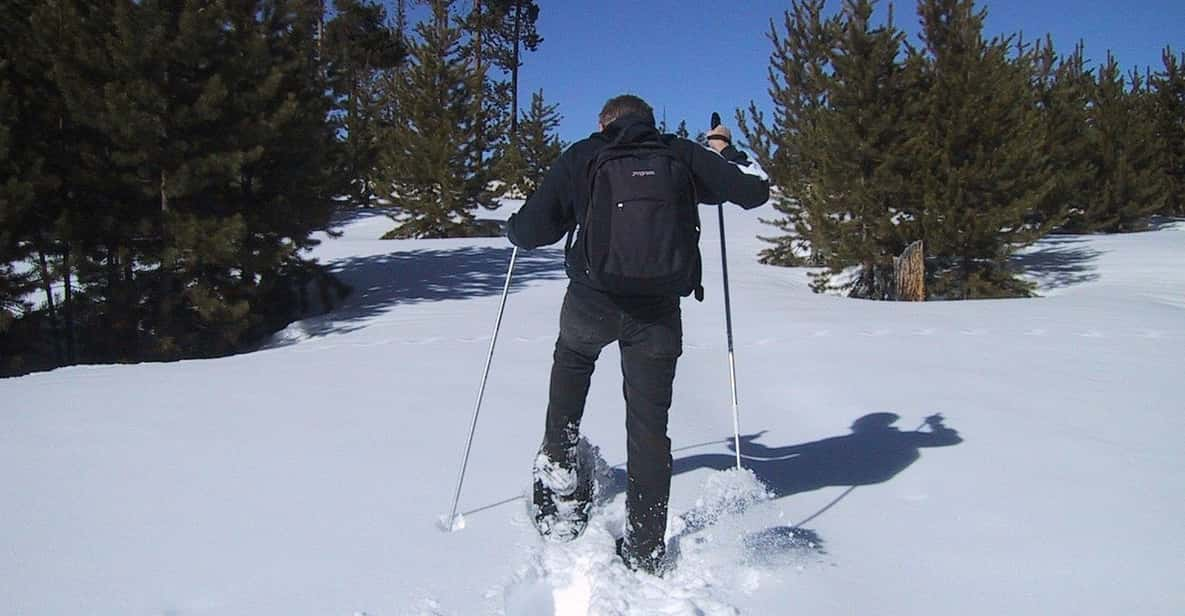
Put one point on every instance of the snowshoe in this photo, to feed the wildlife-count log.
(562, 494)
(653, 561)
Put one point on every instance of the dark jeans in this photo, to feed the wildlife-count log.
(649, 332)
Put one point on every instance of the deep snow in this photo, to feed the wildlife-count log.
(306, 478)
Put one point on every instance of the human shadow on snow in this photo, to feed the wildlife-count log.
(874, 452)
(380, 282)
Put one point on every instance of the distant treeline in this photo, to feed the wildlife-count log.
(976, 146)
(164, 164)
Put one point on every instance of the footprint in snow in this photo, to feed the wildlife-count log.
(372, 343)
(530, 596)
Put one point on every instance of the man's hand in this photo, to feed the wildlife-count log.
(719, 138)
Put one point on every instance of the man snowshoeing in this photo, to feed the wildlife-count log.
(626, 197)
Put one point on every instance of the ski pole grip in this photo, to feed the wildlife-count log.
(715, 120)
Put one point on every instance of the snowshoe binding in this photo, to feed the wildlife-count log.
(563, 493)
(653, 561)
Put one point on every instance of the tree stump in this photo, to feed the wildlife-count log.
(909, 274)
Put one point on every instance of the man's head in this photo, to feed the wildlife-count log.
(625, 104)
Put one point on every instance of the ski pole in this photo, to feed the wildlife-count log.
(452, 523)
(732, 367)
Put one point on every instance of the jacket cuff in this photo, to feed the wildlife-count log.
(510, 231)
(733, 155)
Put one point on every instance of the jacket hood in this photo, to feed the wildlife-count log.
(633, 125)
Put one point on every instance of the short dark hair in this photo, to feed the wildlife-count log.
(625, 104)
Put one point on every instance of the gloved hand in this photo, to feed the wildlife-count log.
(719, 138)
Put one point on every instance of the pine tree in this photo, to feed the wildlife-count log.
(431, 167)
(872, 147)
(286, 185)
(515, 31)
(1168, 92)
(497, 32)
(836, 148)
(856, 198)
(798, 82)
(681, 131)
(44, 155)
(978, 177)
(171, 161)
(1063, 87)
(108, 223)
(215, 123)
(481, 41)
(163, 115)
(15, 201)
(358, 48)
(538, 143)
(1123, 192)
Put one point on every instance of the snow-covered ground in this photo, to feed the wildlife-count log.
(307, 478)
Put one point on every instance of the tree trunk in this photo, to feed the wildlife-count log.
(114, 287)
(514, 74)
(874, 282)
(68, 306)
(165, 279)
(481, 121)
(164, 196)
(354, 136)
(909, 274)
(247, 276)
(132, 342)
(47, 283)
(321, 34)
(117, 288)
(965, 274)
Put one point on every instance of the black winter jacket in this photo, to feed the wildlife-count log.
(561, 200)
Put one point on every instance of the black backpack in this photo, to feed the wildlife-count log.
(640, 233)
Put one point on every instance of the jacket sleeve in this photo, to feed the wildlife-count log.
(547, 214)
(728, 176)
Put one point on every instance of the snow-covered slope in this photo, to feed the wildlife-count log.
(306, 478)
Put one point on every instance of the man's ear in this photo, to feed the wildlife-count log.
(600, 127)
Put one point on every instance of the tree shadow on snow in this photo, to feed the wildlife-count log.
(380, 282)
(1061, 261)
(1160, 223)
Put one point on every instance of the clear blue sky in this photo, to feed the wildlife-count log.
(692, 57)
